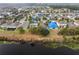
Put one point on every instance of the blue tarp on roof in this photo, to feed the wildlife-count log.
(52, 25)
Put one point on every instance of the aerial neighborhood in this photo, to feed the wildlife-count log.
(12, 18)
(50, 18)
(47, 24)
(35, 22)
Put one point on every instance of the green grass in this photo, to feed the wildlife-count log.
(6, 42)
(2, 31)
(8, 32)
(52, 45)
(74, 46)
(11, 32)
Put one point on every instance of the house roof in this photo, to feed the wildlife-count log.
(12, 25)
(52, 25)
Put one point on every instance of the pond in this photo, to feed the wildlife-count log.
(34, 49)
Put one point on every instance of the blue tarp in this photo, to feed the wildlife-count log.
(52, 25)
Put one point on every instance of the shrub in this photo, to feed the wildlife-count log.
(69, 31)
(21, 30)
(39, 31)
(43, 31)
(34, 30)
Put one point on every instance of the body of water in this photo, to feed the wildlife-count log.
(34, 49)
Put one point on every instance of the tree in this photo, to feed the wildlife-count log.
(21, 30)
(44, 18)
(39, 31)
(30, 19)
(43, 31)
(47, 22)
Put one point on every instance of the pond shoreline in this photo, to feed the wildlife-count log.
(37, 49)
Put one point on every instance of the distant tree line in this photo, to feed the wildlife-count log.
(73, 7)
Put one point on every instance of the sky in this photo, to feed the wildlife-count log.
(34, 4)
(39, 1)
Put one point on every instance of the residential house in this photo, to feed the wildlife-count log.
(33, 25)
(10, 26)
(62, 24)
(73, 24)
(25, 25)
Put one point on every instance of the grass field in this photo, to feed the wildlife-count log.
(27, 36)
(7, 42)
